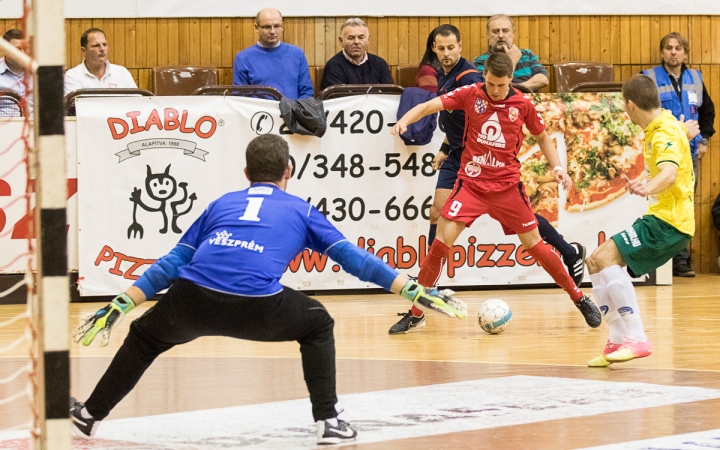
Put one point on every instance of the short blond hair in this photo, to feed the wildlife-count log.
(354, 22)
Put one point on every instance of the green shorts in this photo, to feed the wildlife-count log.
(649, 244)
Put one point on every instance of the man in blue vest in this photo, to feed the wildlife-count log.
(683, 92)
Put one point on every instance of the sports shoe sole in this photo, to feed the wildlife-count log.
(624, 355)
(599, 361)
(420, 325)
(79, 433)
(334, 440)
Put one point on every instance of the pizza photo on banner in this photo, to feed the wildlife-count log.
(149, 166)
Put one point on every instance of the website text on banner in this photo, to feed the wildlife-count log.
(149, 166)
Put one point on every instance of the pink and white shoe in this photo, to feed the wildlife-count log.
(600, 361)
(630, 349)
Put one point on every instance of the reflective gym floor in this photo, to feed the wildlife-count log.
(448, 385)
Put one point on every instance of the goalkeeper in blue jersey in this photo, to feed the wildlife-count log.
(225, 274)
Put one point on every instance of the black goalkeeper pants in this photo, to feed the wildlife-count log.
(188, 311)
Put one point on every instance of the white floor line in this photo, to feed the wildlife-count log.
(392, 414)
(691, 441)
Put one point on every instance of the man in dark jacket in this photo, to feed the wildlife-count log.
(354, 65)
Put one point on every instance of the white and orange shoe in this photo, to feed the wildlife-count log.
(600, 361)
(630, 349)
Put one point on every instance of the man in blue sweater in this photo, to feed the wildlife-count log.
(353, 64)
(225, 274)
(272, 62)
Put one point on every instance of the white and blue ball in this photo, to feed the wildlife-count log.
(494, 316)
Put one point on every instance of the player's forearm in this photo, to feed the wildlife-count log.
(548, 149)
(420, 111)
(663, 180)
(536, 82)
(362, 264)
(136, 295)
(164, 271)
(399, 283)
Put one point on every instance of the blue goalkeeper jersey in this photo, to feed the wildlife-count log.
(244, 240)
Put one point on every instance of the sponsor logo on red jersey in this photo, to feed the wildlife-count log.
(491, 133)
(472, 169)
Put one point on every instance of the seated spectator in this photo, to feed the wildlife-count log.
(96, 72)
(528, 70)
(12, 76)
(426, 77)
(353, 64)
(272, 62)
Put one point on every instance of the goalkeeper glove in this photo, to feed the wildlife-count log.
(103, 321)
(434, 300)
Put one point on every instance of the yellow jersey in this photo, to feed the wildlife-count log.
(666, 142)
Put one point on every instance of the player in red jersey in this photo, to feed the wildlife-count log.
(489, 177)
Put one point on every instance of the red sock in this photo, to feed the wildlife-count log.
(433, 264)
(432, 268)
(550, 261)
(415, 311)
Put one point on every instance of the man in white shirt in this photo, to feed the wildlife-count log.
(12, 77)
(96, 71)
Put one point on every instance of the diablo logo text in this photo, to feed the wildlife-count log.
(170, 120)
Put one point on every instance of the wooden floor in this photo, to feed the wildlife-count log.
(547, 338)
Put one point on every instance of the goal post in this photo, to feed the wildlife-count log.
(51, 297)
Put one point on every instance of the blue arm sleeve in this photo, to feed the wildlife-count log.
(239, 78)
(305, 89)
(165, 270)
(362, 264)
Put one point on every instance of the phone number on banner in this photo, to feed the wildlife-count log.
(320, 166)
(339, 209)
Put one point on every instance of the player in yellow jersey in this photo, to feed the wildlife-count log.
(653, 239)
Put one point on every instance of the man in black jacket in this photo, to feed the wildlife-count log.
(353, 64)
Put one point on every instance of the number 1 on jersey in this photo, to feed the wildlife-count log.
(252, 210)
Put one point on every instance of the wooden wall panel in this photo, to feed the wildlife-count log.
(630, 43)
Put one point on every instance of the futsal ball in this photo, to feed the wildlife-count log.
(494, 316)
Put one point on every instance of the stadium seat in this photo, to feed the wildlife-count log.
(597, 86)
(567, 75)
(405, 75)
(10, 105)
(182, 80)
(109, 92)
(265, 92)
(522, 88)
(318, 72)
(347, 90)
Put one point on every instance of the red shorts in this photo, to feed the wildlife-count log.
(510, 207)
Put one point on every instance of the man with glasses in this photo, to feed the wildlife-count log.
(272, 62)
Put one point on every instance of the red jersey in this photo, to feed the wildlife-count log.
(493, 134)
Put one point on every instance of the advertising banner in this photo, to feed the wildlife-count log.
(15, 225)
(147, 167)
